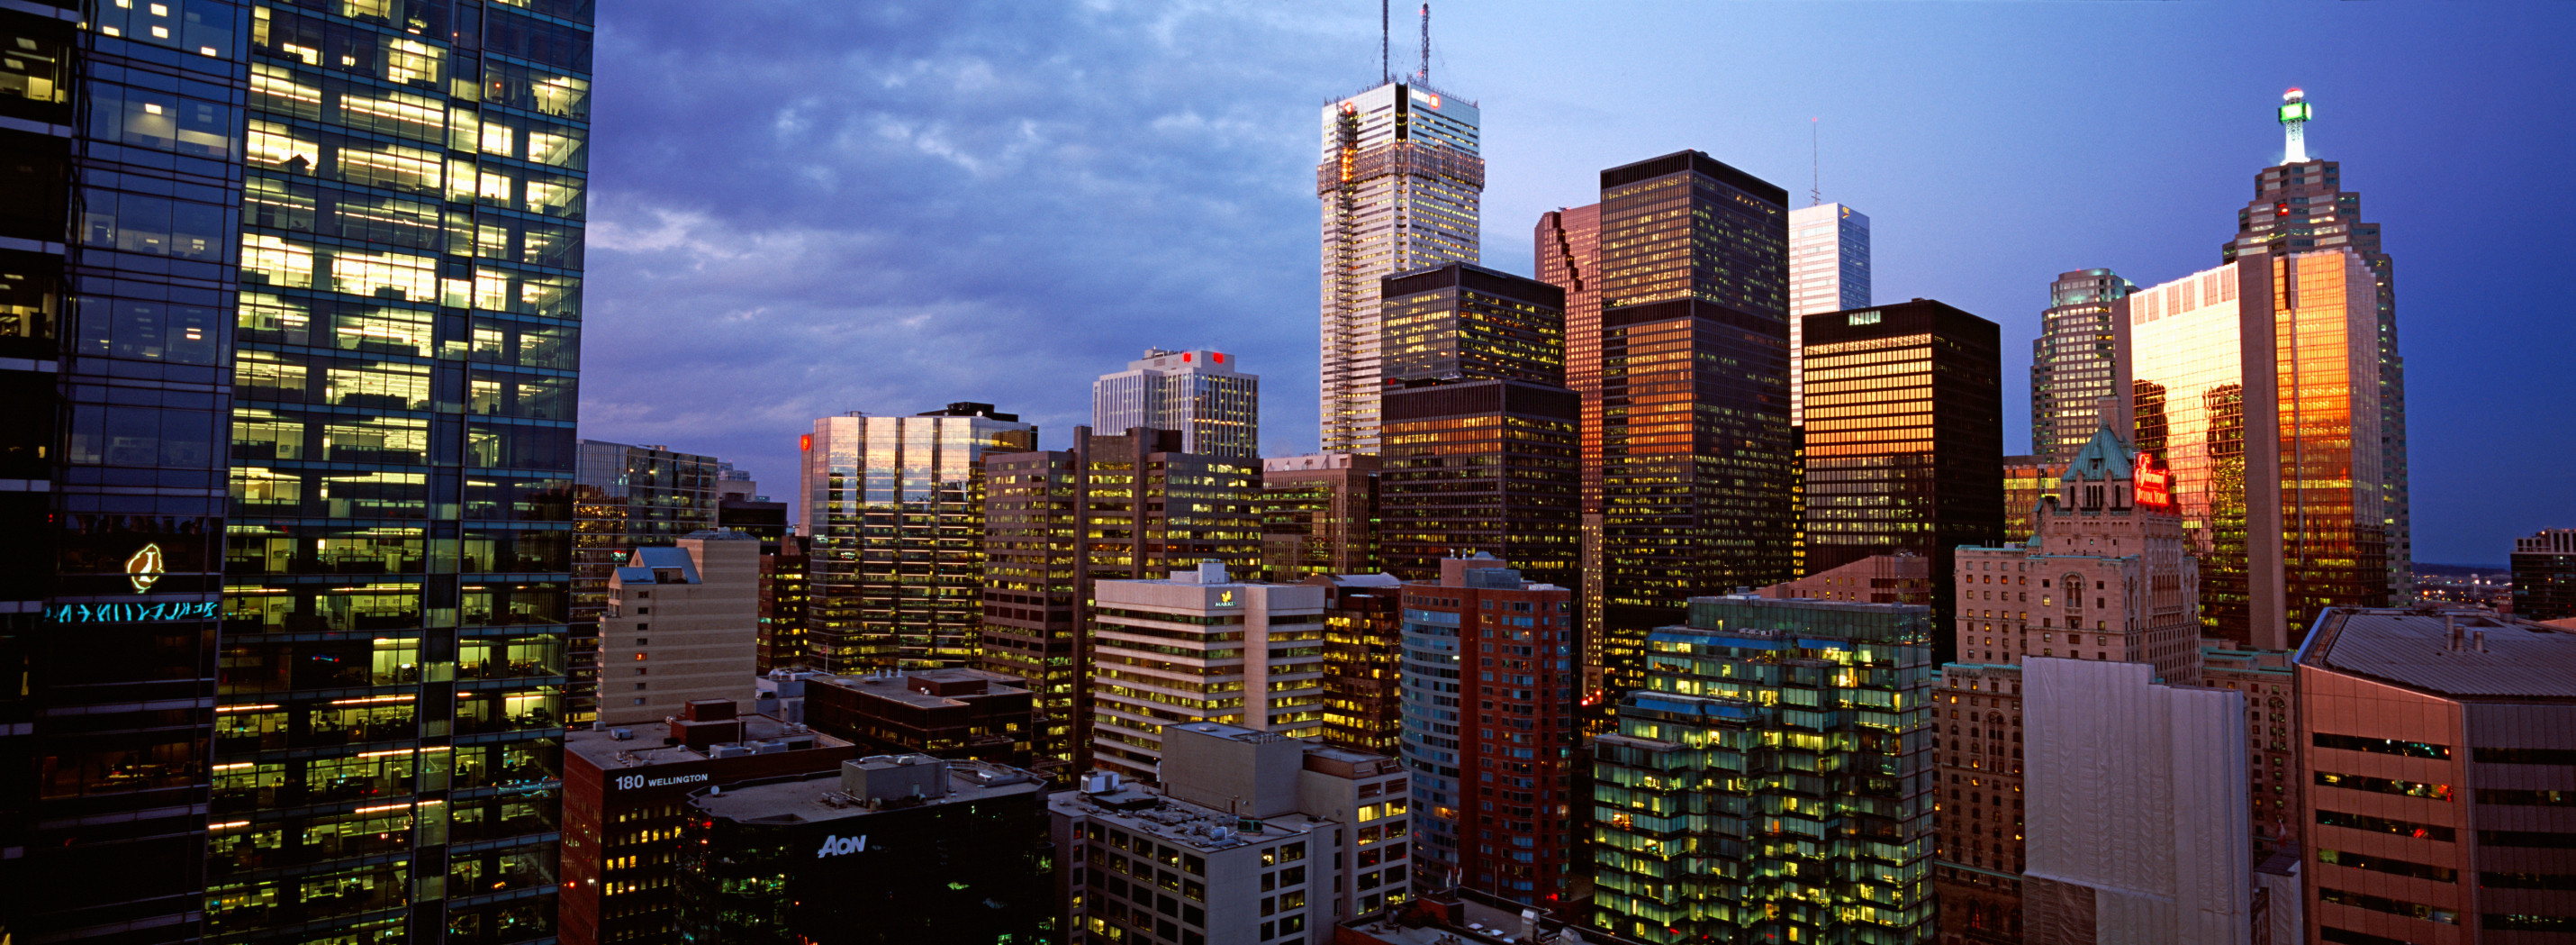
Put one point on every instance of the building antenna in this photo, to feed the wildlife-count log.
(1426, 44)
(1816, 164)
(1385, 57)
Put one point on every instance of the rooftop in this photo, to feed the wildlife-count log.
(929, 688)
(2455, 652)
(643, 748)
(1148, 811)
(827, 796)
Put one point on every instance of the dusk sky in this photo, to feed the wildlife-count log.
(803, 210)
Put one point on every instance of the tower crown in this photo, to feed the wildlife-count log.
(2294, 121)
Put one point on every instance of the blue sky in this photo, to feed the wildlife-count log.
(803, 210)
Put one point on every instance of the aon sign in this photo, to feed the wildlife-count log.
(835, 846)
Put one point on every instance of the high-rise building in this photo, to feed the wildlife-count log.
(1828, 272)
(895, 510)
(2544, 575)
(1723, 758)
(1118, 506)
(1318, 515)
(1901, 578)
(946, 713)
(625, 497)
(2255, 383)
(682, 624)
(1197, 393)
(1698, 468)
(1489, 731)
(2271, 724)
(2026, 479)
(2300, 206)
(1363, 660)
(1567, 247)
(784, 585)
(1400, 181)
(1463, 322)
(2136, 809)
(2079, 358)
(2435, 790)
(1200, 647)
(1904, 436)
(1479, 466)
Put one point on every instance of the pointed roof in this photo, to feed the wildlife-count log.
(2104, 457)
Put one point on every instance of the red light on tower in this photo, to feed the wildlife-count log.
(805, 443)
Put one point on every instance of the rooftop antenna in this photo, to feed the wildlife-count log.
(1426, 44)
(1816, 164)
(2294, 125)
(1385, 60)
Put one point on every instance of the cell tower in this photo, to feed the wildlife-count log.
(1426, 44)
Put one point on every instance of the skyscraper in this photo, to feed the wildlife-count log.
(2544, 575)
(1567, 247)
(624, 497)
(1697, 468)
(1463, 322)
(2078, 359)
(1828, 272)
(1198, 394)
(895, 510)
(1197, 646)
(1318, 515)
(1904, 437)
(1400, 180)
(2299, 206)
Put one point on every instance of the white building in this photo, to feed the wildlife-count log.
(2137, 809)
(1828, 272)
(1400, 182)
(1199, 647)
(680, 626)
(1198, 392)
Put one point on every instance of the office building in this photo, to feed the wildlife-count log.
(944, 713)
(1251, 837)
(1567, 247)
(2301, 206)
(756, 516)
(2136, 796)
(895, 510)
(625, 800)
(2026, 479)
(682, 625)
(2080, 357)
(1114, 507)
(1901, 578)
(1479, 466)
(1904, 441)
(2436, 793)
(1197, 393)
(1489, 730)
(1400, 180)
(2271, 727)
(1715, 767)
(783, 588)
(627, 497)
(2544, 575)
(1318, 515)
(1828, 272)
(1698, 468)
(1200, 647)
(1363, 660)
(892, 849)
(2255, 383)
(1463, 322)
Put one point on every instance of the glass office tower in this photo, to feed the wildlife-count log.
(1567, 251)
(2076, 361)
(392, 678)
(1828, 272)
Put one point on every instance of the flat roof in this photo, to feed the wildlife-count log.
(605, 751)
(2520, 659)
(1144, 810)
(818, 797)
(895, 688)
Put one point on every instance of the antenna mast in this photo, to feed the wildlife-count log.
(1816, 164)
(1426, 44)
(1385, 57)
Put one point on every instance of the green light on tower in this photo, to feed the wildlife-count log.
(2294, 127)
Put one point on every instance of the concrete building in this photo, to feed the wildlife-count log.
(1197, 393)
(1118, 506)
(1828, 272)
(624, 802)
(1714, 768)
(1318, 515)
(1200, 647)
(894, 506)
(1489, 730)
(1400, 181)
(890, 850)
(2439, 794)
(1901, 578)
(682, 624)
(2080, 357)
(1363, 661)
(2544, 575)
(944, 713)
(2136, 796)
(1252, 837)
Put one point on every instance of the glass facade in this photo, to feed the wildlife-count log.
(894, 508)
(1318, 515)
(1463, 322)
(1828, 272)
(1363, 662)
(2075, 361)
(1400, 181)
(624, 497)
(1772, 781)
(1480, 466)
(1567, 246)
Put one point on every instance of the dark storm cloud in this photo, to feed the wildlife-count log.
(887, 207)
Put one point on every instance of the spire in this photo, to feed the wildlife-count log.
(2294, 127)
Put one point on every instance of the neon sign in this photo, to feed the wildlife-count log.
(132, 613)
(2154, 483)
(144, 569)
(1225, 598)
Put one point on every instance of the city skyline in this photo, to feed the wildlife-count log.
(975, 125)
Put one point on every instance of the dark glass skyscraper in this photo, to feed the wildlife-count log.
(1465, 322)
(1697, 468)
(1567, 254)
(2078, 359)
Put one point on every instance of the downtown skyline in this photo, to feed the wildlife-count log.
(967, 136)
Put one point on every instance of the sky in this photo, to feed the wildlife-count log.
(802, 210)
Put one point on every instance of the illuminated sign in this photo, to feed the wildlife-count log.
(1862, 318)
(1225, 598)
(1435, 99)
(629, 782)
(835, 846)
(2155, 483)
(132, 613)
(144, 569)
(805, 443)
(2294, 111)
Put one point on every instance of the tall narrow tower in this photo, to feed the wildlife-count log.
(1400, 181)
(2294, 127)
